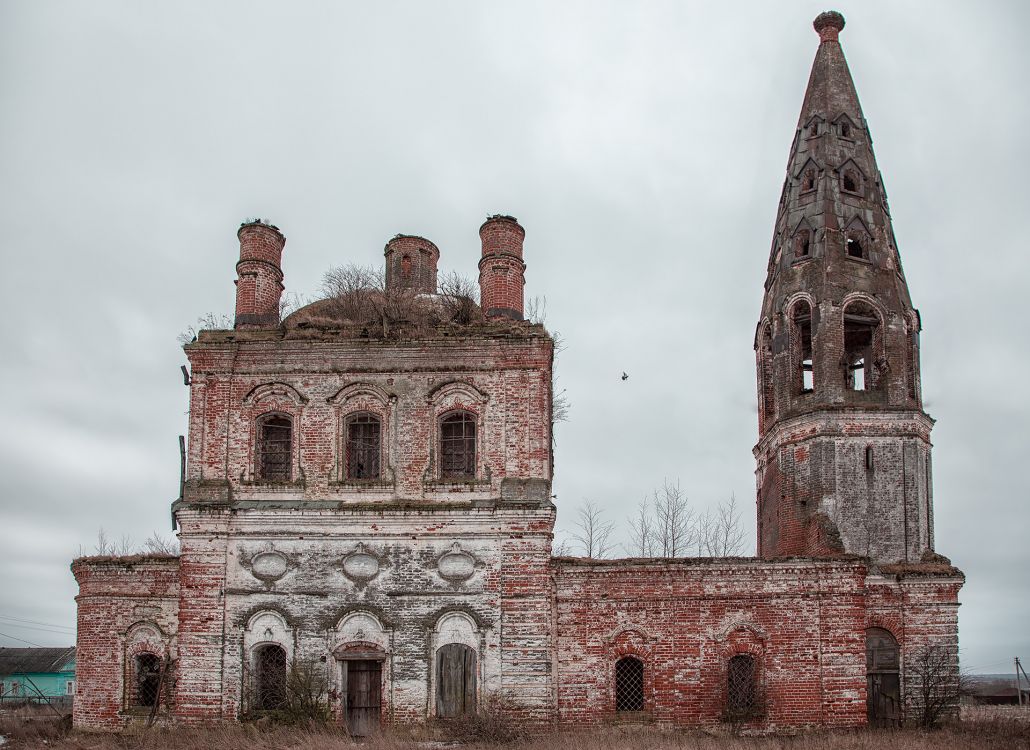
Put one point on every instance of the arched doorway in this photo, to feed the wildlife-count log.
(883, 679)
(455, 680)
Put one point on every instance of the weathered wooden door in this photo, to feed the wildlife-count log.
(364, 694)
(455, 681)
(883, 681)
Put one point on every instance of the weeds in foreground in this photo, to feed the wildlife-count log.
(975, 735)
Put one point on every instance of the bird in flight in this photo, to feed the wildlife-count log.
(625, 376)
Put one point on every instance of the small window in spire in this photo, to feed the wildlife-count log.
(849, 181)
(808, 180)
(845, 130)
(802, 244)
(813, 129)
(855, 249)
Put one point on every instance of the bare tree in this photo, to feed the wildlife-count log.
(209, 322)
(720, 533)
(675, 524)
(592, 533)
(160, 545)
(561, 549)
(641, 530)
(459, 299)
(934, 674)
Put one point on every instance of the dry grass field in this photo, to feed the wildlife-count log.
(40, 732)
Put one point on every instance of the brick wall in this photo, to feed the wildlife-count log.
(803, 620)
(126, 606)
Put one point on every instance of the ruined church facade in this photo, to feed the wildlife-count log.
(375, 506)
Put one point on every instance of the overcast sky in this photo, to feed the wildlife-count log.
(643, 147)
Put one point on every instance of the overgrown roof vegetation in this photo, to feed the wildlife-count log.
(355, 302)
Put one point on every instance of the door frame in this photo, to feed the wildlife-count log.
(343, 656)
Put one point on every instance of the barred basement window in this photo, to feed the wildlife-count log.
(741, 689)
(458, 446)
(629, 684)
(363, 446)
(148, 679)
(270, 677)
(275, 448)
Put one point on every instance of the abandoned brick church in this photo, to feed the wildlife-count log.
(375, 500)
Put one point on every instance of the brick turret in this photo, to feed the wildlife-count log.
(502, 273)
(411, 264)
(844, 445)
(259, 283)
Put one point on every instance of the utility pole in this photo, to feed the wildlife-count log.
(1019, 691)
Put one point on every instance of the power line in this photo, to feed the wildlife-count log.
(5, 635)
(38, 628)
(35, 622)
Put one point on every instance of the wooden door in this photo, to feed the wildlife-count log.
(455, 681)
(364, 692)
(883, 679)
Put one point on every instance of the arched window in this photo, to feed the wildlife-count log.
(406, 268)
(883, 684)
(629, 684)
(801, 347)
(148, 679)
(455, 680)
(458, 446)
(364, 446)
(269, 677)
(275, 448)
(861, 338)
(808, 180)
(845, 130)
(766, 381)
(741, 686)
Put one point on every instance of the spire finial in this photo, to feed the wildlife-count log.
(828, 25)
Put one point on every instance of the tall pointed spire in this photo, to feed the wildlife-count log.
(843, 452)
(831, 91)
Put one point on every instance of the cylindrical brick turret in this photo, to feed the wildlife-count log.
(502, 274)
(259, 282)
(411, 263)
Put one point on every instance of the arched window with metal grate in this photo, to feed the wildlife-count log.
(629, 684)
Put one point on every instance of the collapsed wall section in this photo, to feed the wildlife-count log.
(127, 649)
(798, 623)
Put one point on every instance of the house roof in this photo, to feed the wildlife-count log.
(34, 660)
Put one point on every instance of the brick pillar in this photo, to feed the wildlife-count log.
(259, 283)
(502, 274)
(411, 264)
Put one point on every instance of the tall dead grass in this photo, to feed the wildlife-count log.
(987, 735)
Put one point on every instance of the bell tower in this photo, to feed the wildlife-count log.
(843, 455)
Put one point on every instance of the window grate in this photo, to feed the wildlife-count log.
(363, 447)
(629, 684)
(275, 443)
(270, 673)
(458, 446)
(148, 679)
(741, 677)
